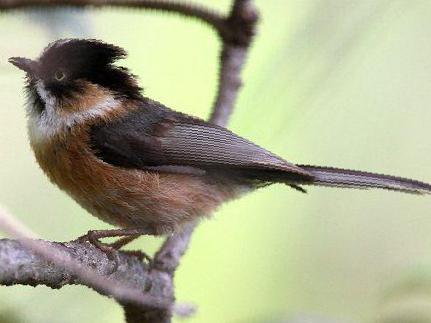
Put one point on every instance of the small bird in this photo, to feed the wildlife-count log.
(139, 165)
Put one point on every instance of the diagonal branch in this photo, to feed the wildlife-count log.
(128, 275)
(36, 262)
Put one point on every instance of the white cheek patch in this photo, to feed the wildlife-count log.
(50, 122)
(49, 100)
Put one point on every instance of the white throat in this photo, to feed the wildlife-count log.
(42, 126)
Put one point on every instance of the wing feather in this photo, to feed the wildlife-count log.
(208, 145)
(154, 135)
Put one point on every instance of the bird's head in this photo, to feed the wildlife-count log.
(73, 76)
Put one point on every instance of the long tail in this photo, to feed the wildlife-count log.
(328, 176)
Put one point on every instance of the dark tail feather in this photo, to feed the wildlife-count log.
(328, 176)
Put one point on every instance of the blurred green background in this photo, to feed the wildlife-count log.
(331, 82)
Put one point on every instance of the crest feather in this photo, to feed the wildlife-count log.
(90, 51)
(88, 59)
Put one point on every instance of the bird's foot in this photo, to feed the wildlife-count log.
(112, 249)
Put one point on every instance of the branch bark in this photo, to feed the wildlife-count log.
(21, 265)
(125, 278)
(237, 35)
(150, 292)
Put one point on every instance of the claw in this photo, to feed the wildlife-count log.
(111, 249)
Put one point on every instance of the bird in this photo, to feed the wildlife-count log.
(139, 165)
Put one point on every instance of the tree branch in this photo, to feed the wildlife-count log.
(125, 278)
(32, 262)
(21, 265)
(239, 31)
(211, 17)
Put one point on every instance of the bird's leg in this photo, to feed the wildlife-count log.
(121, 242)
(128, 235)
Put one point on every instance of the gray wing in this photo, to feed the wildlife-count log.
(207, 145)
(154, 136)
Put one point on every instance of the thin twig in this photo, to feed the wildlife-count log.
(14, 227)
(211, 17)
(168, 257)
(241, 28)
(231, 62)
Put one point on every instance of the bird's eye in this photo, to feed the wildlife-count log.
(59, 75)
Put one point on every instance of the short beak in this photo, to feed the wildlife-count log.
(25, 64)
